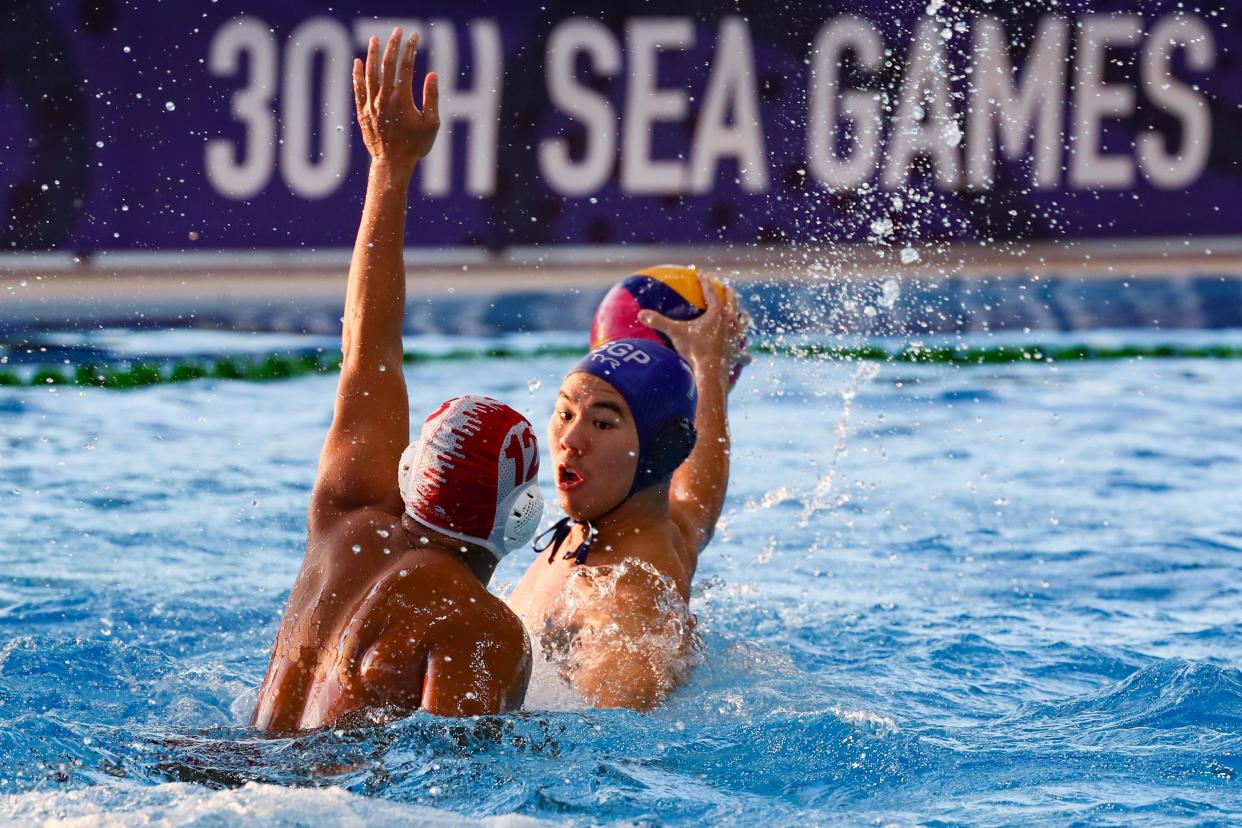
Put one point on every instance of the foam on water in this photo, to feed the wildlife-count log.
(180, 804)
(1026, 610)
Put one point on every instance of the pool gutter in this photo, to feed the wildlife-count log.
(303, 290)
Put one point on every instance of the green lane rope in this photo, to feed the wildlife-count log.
(278, 366)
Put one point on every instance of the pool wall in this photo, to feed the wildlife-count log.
(840, 290)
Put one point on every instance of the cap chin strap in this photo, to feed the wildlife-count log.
(560, 531)
(479, 542)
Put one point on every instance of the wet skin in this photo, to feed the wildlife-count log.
(413, 626)
(650, 540)
(410, 628)
(594, 445)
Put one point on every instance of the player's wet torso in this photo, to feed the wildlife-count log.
(377, 620)
(652, 552)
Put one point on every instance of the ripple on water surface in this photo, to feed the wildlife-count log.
(980, 595)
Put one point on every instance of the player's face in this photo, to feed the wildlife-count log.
(594, 446)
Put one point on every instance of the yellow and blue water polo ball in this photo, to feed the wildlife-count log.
(672, 290)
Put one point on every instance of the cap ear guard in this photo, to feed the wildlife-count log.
(669, 450)
(519, 516)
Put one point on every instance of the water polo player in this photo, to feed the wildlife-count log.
(390, 610)
(640, 443)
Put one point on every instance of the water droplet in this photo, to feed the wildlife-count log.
(383, 533)
(890, 292)
(169, 105)
(534, 385)
(909, 255)
(357, 548)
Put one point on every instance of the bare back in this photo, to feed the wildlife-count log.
(406, 628)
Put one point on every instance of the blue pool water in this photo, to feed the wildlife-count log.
(939, 595)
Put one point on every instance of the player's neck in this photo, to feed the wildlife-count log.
(637, 512)
(478, 560)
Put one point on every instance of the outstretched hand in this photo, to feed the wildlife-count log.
(394, 129)
(712, 342)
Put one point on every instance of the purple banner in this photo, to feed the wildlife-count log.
(229, 126)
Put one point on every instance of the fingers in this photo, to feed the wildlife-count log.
(360, 88)
(373, 69)
(731, 303)
(405, 76)
(658, 321)
(711, 299)
(388, 76)
(431, 97)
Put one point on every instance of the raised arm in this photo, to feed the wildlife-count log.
(710, 344)
(370, 424)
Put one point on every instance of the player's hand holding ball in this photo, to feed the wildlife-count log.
(693, 314)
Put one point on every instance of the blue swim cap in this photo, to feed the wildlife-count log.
(658, 386)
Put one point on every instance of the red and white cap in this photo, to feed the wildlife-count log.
(472, 475)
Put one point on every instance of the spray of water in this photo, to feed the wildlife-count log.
(581, 642)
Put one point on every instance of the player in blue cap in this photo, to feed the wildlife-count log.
(640, 445)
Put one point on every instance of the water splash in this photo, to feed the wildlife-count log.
(580, 639)
(820, 496)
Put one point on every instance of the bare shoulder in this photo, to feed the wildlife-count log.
(494, 639)
(370, 526)
(479, 654)
(447, 645)
(668, 555)
(691, 536)
(460, 603)
(624, 634)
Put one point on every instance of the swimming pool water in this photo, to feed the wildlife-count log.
(939, 595)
